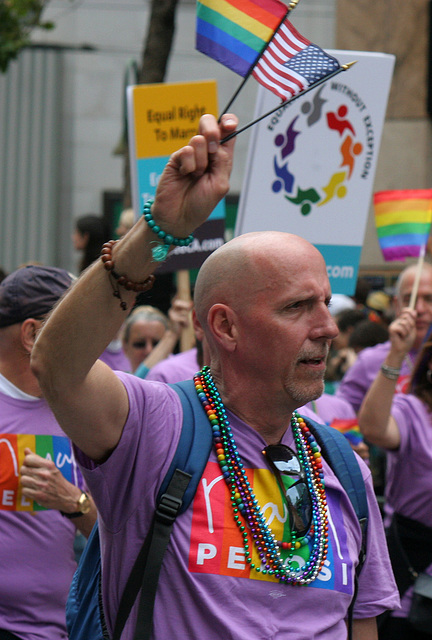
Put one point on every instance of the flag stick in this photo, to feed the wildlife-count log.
(291, 6)
(344, 67)
(187, 337)
(413, 298)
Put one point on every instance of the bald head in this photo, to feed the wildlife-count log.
(423, 299)
(236, 272)
(408, 275)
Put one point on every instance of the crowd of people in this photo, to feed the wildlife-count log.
(89, 428)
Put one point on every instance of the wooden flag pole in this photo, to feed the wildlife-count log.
(413, 298)
(187, 338)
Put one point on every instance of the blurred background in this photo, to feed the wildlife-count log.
(62, 112)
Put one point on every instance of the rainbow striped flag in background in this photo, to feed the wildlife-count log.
(349, 428)
(254, 36)
(403, 222)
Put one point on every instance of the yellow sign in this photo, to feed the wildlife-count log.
(165, 116)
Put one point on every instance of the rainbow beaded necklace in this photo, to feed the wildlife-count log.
(246, 510)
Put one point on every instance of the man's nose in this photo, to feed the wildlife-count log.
(325, 327)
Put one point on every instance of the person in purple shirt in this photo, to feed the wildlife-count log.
(115, 357)
(363, 372)
(402, 425)
(182, 366)
(175, 368)
(42, 497)
(243, 560)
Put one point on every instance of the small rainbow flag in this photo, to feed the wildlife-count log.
(255, 36)
(403, 221)
(349, 428)
(234, 32)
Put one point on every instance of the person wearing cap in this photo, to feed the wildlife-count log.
(42, 497)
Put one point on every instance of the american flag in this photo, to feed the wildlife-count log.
(291, 63)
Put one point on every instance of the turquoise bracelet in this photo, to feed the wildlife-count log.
(160, 252)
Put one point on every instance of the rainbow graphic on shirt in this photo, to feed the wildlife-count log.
(216, 545)
(12, 446)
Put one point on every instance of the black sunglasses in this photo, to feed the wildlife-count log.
(284, 462)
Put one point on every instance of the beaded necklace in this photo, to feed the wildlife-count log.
(246, 510)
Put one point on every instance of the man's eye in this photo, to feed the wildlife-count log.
(139, 345)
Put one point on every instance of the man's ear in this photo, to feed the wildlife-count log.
(29, 330)
(198, 330)
(221, 321)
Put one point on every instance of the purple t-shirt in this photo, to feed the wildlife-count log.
(115, 358)
(362, 373)
(181, 366)
(409, 468)
(326, 408)
(36, 545)
(206, 589)
(412, 461)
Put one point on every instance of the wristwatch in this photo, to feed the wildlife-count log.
(83, 505)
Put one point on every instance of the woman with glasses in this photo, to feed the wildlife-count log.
(149, 336)
(402, 425)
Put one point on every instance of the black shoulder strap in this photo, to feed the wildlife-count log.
(175, 494)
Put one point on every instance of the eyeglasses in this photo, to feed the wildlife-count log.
(284, 462)
(142, 344)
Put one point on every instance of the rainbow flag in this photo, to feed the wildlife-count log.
(349, 428)
(403, 221)
(234, 32)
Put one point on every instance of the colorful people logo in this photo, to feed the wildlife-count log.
(348, 147)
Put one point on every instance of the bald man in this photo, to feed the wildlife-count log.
(285, 567)
(363, 372)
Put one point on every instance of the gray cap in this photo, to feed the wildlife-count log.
(31, 292)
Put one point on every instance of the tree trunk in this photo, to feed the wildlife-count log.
(154, 62)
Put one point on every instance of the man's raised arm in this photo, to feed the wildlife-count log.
(87, 398)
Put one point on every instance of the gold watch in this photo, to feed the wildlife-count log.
(83, 505)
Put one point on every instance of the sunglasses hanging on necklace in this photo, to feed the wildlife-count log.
(305, 499)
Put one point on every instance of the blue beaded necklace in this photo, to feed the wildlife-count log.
(246, 510)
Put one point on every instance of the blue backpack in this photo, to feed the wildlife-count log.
(84, 611)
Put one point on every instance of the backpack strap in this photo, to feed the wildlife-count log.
(175, 495)
(195, 442)
(340, 456)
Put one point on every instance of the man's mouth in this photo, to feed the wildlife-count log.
(314, 362)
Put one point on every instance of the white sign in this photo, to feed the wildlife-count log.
(311, 164)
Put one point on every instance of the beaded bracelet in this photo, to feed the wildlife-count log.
(123, 281)
(391, 373)
(160, 252)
